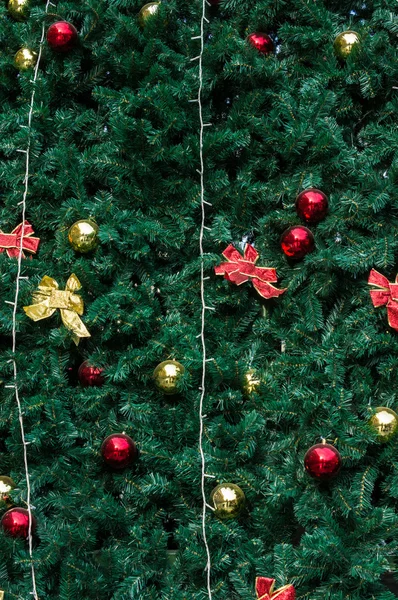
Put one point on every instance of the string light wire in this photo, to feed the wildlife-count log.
(15, 307)
(203, 228)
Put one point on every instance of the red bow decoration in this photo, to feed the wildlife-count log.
(11, 242)
(387, 295)
(240, 269)
(265, 590)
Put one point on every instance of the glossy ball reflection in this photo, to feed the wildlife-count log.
(148, 11)
(83, 236)
(15, 522)
(322, 461)
(18, 9)
(251, 382)
(167, 376)
(6, 486)
(345, 42)
(312, 205)
(228, 500)
(90, 376)
(25, 59)
(118, 450)
(262, 42)
(297, 241)
(384, 422)
(62, 36)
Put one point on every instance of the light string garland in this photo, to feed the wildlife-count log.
(14, 304)
(203, 227)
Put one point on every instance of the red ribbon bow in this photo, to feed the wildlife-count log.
(265, 590)
(11, 242)
(239, 270)
(387, 295)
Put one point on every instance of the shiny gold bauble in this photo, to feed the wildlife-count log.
(345, 42)
(18, 9)
(384, 423)
(251, 383)
(6, 485)
(147, 12)
(25, 59)
(83, 236)
(228, 500)
(167, 376)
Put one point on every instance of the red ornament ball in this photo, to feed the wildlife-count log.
(322, 461)
(297, 241)
(118, 450)
(262, 42)
(312, 205)
(62, 36)
(15, 522)
(90, 376)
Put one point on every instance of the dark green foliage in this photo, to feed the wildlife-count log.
(115, 138)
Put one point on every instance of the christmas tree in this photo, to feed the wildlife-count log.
(213, 185)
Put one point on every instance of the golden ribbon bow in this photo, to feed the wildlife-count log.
(48, 298)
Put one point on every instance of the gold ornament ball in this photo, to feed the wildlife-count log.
(25, 59)
(251, 383)
(18, 9)
(83, 236)
(6, 485)
(228, 500)
(345, 42)
(147, 12)
(167, 376)
(384, 423)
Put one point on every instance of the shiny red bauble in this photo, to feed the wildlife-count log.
(322, 461)
(15, 522)
(297, 241)
(262, 42)
(312, 205)
(90, 376)
(62, 36)
(118, 450)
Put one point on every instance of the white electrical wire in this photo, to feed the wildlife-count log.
(15, 308)
(203, 227)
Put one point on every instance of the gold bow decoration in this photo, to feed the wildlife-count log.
(48, 298)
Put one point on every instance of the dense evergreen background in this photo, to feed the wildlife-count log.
(115, 138)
